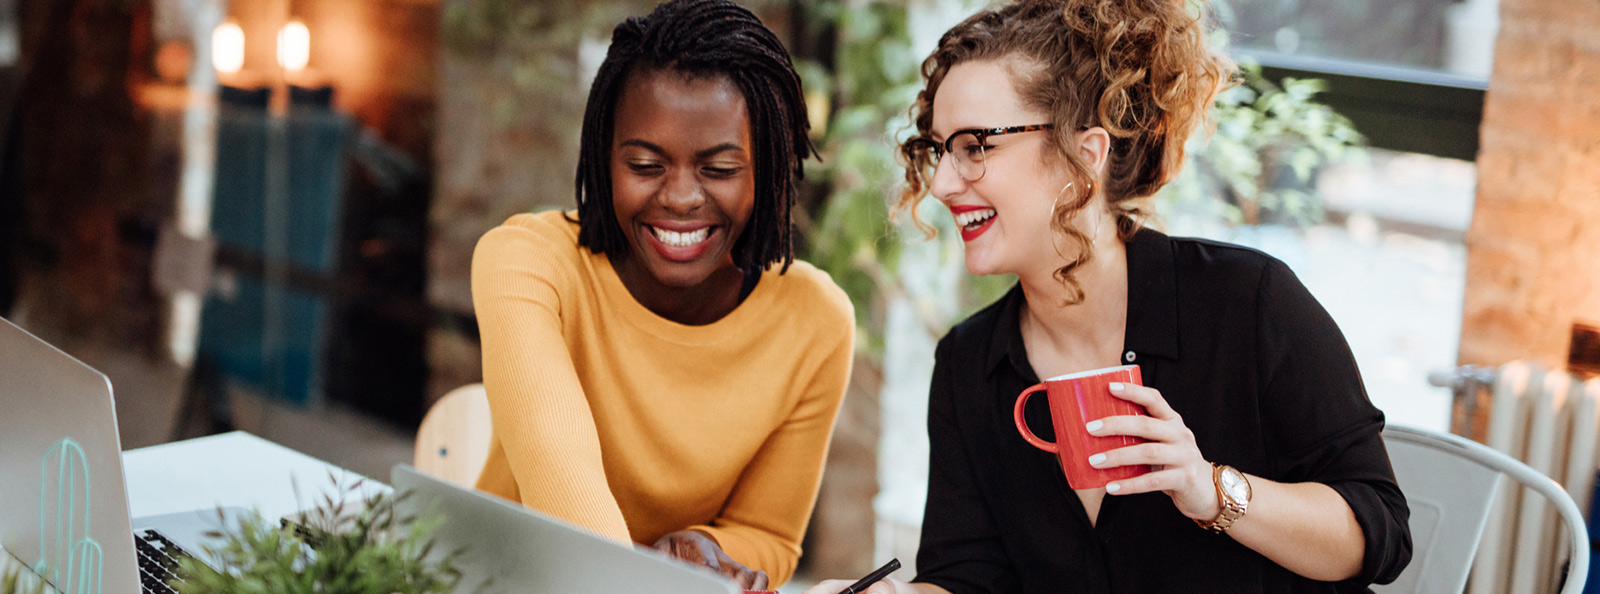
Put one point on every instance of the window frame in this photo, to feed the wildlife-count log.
(1397, 108)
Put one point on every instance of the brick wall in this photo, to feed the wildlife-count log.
(1533, 264)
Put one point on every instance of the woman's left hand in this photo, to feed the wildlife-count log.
(697, 548)
(1177, 467)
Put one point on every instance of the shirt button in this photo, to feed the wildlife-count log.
(1129, 356)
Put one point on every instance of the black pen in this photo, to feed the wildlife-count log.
(872, 578)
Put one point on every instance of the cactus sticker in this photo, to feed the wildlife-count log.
(69, 557)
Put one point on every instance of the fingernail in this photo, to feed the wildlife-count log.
(1113, 487)
(1093, 425)
(1096, 459)
(1115, 386)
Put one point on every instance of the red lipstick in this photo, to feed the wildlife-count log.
(971, 234)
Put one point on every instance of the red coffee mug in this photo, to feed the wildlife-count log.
(1075, 399)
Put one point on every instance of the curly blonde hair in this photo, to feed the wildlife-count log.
(1140, 69)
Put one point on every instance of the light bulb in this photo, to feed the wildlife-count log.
(227, 48)
(294, 46)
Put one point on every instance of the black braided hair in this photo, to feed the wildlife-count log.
(703, 38)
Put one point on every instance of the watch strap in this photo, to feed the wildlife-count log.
(1231, 510)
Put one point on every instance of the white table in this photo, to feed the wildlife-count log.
(229, 470)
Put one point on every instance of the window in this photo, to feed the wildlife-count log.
(1439, 35)
(1388, 264)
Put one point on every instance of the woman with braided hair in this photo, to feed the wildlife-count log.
(660, 369)
(1043, 127)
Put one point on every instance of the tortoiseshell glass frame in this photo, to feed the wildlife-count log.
(980, 135)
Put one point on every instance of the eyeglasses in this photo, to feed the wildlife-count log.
(969, 147)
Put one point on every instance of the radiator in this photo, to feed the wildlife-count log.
(1549, 421)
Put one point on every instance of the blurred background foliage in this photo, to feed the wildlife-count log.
(1259, 164)
(870, 84)
(532, 47)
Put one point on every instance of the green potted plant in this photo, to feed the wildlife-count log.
(14, 583)
(333, 549)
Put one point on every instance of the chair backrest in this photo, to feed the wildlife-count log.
(453, 441)
(1450, 483)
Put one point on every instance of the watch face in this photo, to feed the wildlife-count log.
(1234, 485)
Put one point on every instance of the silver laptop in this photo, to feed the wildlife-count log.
(516, 549)
(63, 503)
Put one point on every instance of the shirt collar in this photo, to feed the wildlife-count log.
(1152, 296)
(1152, 307)
(1006, 343)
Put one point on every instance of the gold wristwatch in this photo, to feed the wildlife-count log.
(1233, 493)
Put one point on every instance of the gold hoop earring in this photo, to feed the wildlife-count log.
(1057, 203)
(1094, 237)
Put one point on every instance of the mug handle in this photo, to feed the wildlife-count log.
(1022, 425)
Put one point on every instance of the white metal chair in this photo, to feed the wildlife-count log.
(1450, 483)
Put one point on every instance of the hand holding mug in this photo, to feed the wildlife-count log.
(698, 549)
(1177, 467)
(1077, 399)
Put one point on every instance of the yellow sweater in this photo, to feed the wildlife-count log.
(631, 425)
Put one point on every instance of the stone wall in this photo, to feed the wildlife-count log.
(1533, 265)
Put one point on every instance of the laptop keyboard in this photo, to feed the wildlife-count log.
(158, 561)
(305, 535)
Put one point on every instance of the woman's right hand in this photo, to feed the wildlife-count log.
(694, 547)
(885, 586)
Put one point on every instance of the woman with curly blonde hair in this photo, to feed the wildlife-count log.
(1043, 127)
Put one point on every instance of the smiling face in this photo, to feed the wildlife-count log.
(1004, 216)
(682, 184)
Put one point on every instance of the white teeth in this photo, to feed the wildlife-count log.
(676, 239)
(974, 217)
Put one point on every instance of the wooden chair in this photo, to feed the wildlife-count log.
(453, 441)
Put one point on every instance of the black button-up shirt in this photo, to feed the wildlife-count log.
(1260, 374)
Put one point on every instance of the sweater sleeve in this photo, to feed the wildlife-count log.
(540, 414)
(767, 512)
